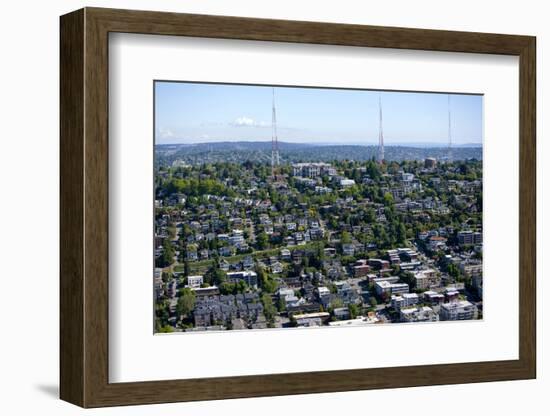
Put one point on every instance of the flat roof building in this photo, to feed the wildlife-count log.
(414, 314)
(194, 281)
(250, 277)
(468, 237)
(386, 288)
(458, 311)
(425, 279)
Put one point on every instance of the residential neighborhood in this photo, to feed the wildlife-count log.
(240, 245)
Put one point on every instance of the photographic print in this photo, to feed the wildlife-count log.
(293, 207)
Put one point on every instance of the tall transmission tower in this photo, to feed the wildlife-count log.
(274, 140)
(380, 133)
(450, 140)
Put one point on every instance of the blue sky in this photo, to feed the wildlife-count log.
(202, 113)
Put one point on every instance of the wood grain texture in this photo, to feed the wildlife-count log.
(527, 208)
(84, 207)
(96, 220)
(71, 158)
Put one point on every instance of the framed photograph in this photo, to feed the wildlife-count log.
(256, 207)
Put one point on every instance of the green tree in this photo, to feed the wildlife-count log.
(388, 199)
(218, 276)
(166, 329)
(240, 287)
(373, 170)
(353, 310)
(346, 237)
(266, 282)
(186, 301)
(227, 288)
(262, 241)
(162, 312)
(370, 215)
(167, 256)
(401, 233)
(269, 309)
(453, 270)
(281, 304)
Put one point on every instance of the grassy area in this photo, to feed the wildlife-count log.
(204, 265)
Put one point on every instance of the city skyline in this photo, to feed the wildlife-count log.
(188, 113)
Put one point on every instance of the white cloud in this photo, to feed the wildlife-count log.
(248, 122)
(165, 133)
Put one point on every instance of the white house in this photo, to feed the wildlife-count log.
(195, 281)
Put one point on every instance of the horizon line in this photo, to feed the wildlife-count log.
(396, 144)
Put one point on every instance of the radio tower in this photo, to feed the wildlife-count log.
(450, 142)
(380, 134)
(274, 141)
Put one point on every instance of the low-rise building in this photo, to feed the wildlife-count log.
(345, 183)
(359, 321)
(346, 293)
(379, 264)
(469, 237)
(348, 249)
(404, 300)
(248, 262)
(451, 294)
(425, 279)
(414, 314)
(276, 267)
(194, 281)
(385, 288)
(341, 313)
(397, 302)
(430, 162)
(436, 242)
(393, 256)
(361, 268)
(290, 298)
(311, 319)
(313, 170)
(433, 297)
(285, 254)
(192, 255)
(458, 311)
(471, 268)
(323, 294)
(407, 254)
(410, 298)
(250, 277)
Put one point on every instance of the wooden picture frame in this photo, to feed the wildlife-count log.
(84, 207)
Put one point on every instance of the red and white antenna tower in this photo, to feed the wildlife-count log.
(380, 133)
(274, 140)
(450, 140)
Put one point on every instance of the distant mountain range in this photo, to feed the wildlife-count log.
(302, 152)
